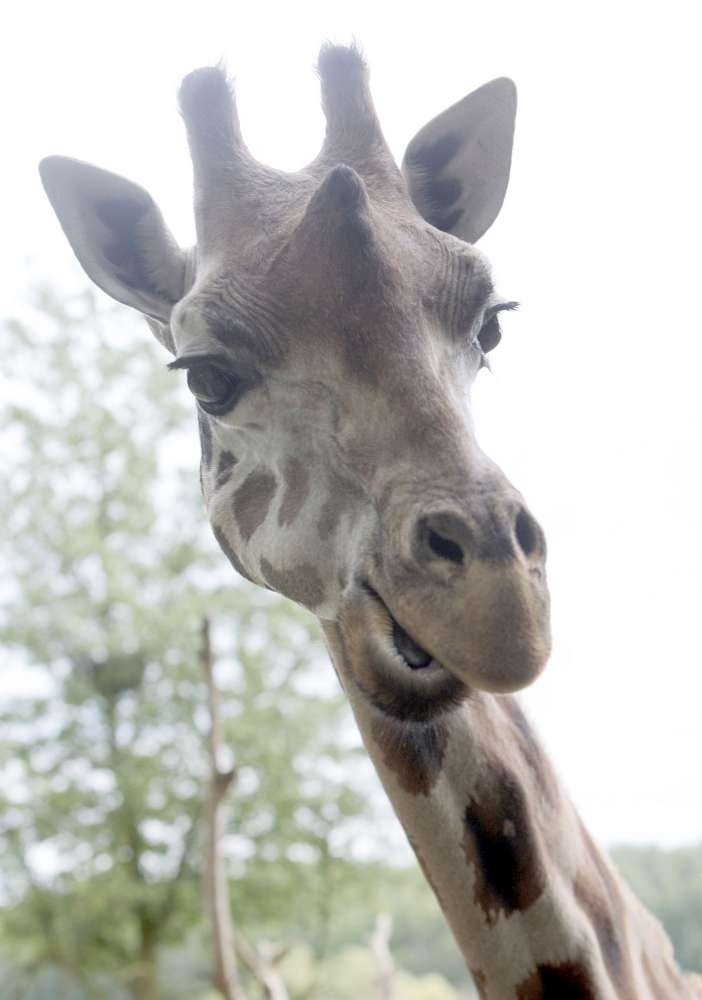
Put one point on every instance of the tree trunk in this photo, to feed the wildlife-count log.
(146, 980)
(216, 889)
(380, 947)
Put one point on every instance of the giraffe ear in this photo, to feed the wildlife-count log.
(457, 166)
(119, 236)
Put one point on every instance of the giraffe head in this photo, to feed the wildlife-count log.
(330, 323)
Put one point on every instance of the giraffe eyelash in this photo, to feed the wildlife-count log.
(491, 332)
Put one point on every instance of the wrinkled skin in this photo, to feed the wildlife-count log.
(358, 411)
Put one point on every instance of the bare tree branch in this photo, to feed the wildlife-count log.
(261, 962)
(225, 974)
(380, 947)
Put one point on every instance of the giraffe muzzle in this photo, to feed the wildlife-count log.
(468, 594)
(490, 630)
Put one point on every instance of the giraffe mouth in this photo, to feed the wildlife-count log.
(411, 652)
(490, 633)
(413, 655)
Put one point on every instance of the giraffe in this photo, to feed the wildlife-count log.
(330, 323)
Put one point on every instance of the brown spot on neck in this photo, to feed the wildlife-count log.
(502, 843)
(567, 981)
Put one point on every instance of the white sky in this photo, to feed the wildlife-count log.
(595, 411)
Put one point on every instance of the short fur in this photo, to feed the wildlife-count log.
(348, 320)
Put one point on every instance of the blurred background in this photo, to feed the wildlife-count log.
(594, 412)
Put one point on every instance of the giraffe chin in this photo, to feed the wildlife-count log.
(371, 651)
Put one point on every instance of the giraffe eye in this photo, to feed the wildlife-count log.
(215, 390)
(490, 335)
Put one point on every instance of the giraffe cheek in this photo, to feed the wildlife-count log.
(252, 502)
(230, 553)
(301, 583)
(297, 565)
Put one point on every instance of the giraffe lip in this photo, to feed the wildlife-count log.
(410, 651)
(414, 656)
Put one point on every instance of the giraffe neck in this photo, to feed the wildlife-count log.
(536, 909)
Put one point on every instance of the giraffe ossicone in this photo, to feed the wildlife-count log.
(331, 322)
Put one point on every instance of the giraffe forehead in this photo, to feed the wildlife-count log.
(260, 291)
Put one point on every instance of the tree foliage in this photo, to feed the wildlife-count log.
(669, 883)
(109, 574)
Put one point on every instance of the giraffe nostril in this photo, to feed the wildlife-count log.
(444, 548)
(442, 535)
(527, 533)
(497, 534)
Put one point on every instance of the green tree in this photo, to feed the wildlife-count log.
(108, 572)
(669, 883)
